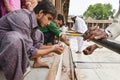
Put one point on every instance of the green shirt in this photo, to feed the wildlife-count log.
(51, 27)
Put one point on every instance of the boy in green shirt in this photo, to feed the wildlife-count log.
(50, 31)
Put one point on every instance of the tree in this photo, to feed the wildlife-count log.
(99, 11)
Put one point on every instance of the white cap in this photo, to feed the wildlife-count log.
(72, 16)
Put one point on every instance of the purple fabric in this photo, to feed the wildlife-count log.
(39, 39)
(24, 22)
(2, 8)
(19, 39)
(13, 57)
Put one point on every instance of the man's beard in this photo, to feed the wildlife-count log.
(39, 23)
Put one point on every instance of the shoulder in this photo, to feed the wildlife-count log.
(18, 13)
(19, 17)
(52, 24)
(22, 14)
(79, 19)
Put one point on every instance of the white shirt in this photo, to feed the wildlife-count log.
(113, 30)
(79, 25)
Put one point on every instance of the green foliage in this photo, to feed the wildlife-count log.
(99, 11)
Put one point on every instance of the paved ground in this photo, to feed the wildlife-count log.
(103, 64)
(35, 73)
(39, 73)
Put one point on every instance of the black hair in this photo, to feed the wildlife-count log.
(60, 17)
(46, 6)
(73, 18)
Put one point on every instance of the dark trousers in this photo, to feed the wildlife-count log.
(48, 37)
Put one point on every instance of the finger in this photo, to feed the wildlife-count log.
(96, 34)
(90, 32)
(90, 35)
(101, 35)
(86, 35)
(86, 52)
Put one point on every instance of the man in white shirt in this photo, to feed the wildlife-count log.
(81, 27)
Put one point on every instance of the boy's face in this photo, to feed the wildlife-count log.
(58, 22)
(45, 19)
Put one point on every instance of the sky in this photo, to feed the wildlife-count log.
(78, 7)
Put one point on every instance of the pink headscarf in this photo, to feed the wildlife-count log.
(2, 8)
(14, 4)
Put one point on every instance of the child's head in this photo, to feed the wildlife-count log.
(59, 20)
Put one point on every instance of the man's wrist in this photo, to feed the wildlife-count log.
(109, 34)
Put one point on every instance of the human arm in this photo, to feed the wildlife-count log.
(39, 39)
(20, 21)
(64, 39)
(93, 33)
(90, 49)
(30, 4)
(113, 30)
(7, 6)
(58, 49)
(53, 28)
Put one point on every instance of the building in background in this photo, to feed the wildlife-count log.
(91, 22)
(101, 23)
(62, 7)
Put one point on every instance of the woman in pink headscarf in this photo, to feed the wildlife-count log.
(7, 6)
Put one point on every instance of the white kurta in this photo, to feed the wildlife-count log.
(80, 27)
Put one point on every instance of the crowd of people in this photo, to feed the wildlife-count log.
(20, 38)
(28, 29)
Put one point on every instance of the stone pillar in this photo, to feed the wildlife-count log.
(53, 1)
(58, 5)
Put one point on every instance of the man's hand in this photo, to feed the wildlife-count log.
(89, 50)
(30, 4)
(58, 49)
(94, 33)
(65, 40)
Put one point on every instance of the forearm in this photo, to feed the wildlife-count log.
(42, 52)
(113, 30)
(7, 6)
(65, 40)
(63, 37)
